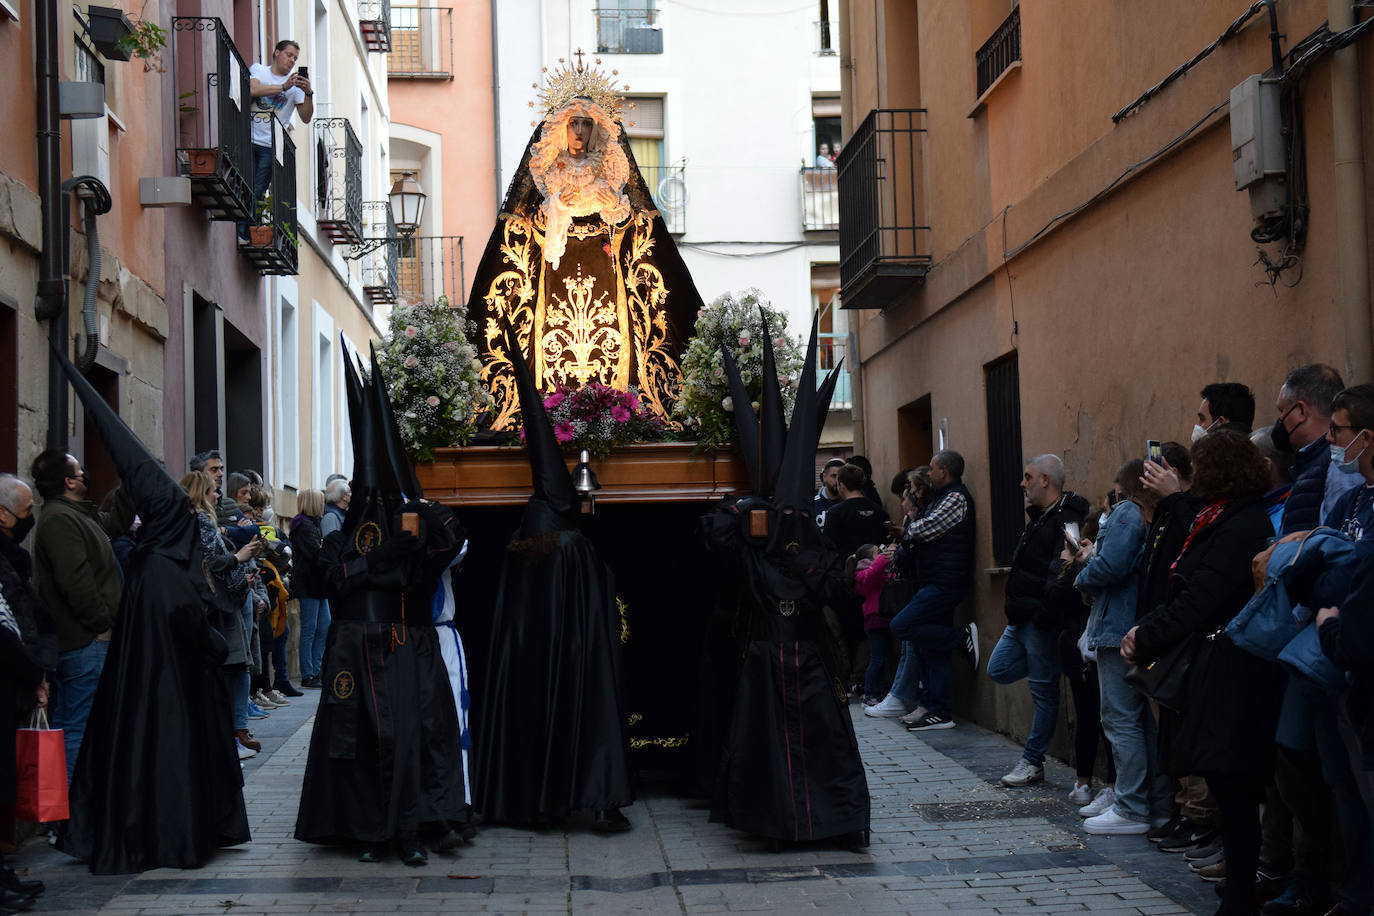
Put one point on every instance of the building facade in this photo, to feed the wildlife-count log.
(1044, 250)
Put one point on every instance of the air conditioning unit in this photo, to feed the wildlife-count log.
(644, 40)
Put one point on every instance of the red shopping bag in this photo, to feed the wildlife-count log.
(41, 771)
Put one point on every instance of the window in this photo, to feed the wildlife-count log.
(319, 67)
(322, 378)
(825, 119)
(288, 410)
(827, 32)
(628, 27)
(1004, 456)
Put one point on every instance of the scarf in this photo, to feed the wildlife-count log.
(1207, 516)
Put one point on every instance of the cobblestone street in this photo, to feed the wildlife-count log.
(946, 838)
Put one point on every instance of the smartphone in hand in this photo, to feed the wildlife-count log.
(1072, 533)
(1154, 451)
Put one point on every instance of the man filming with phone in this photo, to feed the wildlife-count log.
(276, 92)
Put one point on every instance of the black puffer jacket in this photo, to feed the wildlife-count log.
(1041, 543)
(1302, 510)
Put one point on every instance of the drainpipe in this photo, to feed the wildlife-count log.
(496, 105)
(1352, 235)
(51, 302)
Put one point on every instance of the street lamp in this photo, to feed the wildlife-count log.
(406, 203)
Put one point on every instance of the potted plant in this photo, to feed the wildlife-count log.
(145, 41)
(108, 28)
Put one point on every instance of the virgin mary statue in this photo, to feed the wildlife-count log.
(581, 263)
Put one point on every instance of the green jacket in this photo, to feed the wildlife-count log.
(77, 574)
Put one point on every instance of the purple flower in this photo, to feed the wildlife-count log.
(552, 401)
(565, 431)
(619, 414)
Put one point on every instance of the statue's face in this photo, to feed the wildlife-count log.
(579, 135)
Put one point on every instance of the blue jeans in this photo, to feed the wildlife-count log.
(877, 662)
(314, 628)
(927, 624)
(240, 684)
(1142, 791)
(78, 674)
(262, 179)
(279, 676)
(1027, 652)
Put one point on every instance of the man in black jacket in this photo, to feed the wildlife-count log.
(1027, 648)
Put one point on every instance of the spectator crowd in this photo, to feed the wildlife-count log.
(1213, 616)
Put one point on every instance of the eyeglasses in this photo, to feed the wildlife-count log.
(1335, 427)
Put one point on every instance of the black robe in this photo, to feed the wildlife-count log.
(790, 767)
(385, 760)
(552, 736)
(158, 782)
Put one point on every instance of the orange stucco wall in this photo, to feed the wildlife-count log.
(1121, 313)
(462, 111)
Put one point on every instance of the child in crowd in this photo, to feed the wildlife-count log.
(870, 572)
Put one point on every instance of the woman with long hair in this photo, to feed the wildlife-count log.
(305, 549)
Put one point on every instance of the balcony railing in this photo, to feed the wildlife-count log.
(621, 31)
(668, 186)
(430, 266)
(884, 248)
(820, 189)
(827, 38)
(379, 268)
(1000, 51)
(421, 43)
(212, 117)
(339, 181)
(374, 25)
(830, 349)
(274, 252)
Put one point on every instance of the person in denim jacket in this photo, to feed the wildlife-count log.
(1110, 578)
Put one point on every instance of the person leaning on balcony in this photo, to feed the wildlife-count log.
(276, 91)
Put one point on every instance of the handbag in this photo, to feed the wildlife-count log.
(1166, 680)
(895, 595)
(1267, 623)
(40, 757)
(1304, 655)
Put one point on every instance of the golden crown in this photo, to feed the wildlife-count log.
(570, 81)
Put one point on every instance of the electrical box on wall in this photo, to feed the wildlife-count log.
(1258, 151)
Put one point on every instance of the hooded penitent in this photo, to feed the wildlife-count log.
(551, 739)
(385, 762)
(790, 766)
(158, 782)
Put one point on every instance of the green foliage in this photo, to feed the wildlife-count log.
(145, 42)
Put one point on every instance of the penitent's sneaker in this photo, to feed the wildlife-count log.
(1106, 797)
(914, 716)
(929, 722)
(971, 645)
(1023, 774)
(890, 708)
(1113, 823)
(1081, 794)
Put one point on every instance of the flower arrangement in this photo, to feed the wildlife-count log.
(597, 417)
(432, 376)
(705, 407)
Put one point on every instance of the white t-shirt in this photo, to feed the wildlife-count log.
(266, 107)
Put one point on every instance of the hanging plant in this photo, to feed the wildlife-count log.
(145, 42)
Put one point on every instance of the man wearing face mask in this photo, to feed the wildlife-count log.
(1225, 405)
(79, 583)
(1304, 409)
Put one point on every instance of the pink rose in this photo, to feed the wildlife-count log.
(619, 414)
(432, 401)
(411, 330)
(552, 401)
(411, 362)
(744, 340)
(780, 342)
(451, 346)
(564, 432)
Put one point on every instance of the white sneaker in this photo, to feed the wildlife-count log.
(276, 696)
(1023, 774)
(915, 715)
(1081, 794)
(245, 752)
(890, 708)
(1106, 798)
(1113, 823)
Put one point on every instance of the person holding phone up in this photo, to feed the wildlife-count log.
(276, 92)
